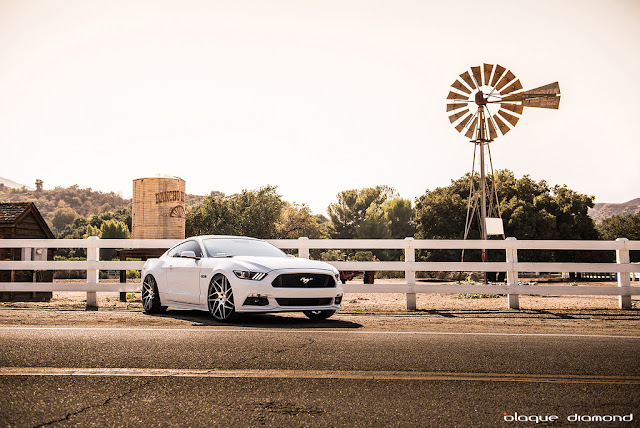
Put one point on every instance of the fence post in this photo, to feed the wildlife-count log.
(303, 253)
(512, 276)
(622, 256)
(92, 274)
(410, 275)
(26, 255)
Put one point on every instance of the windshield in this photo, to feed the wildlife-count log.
(240, 247)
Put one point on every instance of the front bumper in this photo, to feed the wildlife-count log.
(251, 296)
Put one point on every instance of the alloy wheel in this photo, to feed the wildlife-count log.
(220, 298)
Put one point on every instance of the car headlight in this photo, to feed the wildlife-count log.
(245, 274)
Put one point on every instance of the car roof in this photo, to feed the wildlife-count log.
(224, 237)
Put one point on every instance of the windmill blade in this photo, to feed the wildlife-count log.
(456, 96)
(488, 68)
(508, 77)
(468, 80)
(477, 75)
(550, 89)
(472, 128)
(512, 107)
(457, 116)
(464, 123)
(509, 117)
(460, 87)
(515, 86)
(492, 129)
(501, 125)
(496, 74)
(542, 102)
(451, 107)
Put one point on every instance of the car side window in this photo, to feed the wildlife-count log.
(175, 251)
(191, 246)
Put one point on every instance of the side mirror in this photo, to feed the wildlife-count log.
(189, 255)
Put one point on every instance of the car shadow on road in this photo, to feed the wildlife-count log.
(275, 321)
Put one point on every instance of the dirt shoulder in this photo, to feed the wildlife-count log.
(375, 302)
(447, 313)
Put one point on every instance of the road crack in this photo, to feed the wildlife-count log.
(68, 416)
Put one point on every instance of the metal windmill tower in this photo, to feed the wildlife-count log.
(480, 104)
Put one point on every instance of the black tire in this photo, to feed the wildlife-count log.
(151, 297)
(220, 299)
(319, 315)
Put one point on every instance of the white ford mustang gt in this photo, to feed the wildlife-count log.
(228, 275)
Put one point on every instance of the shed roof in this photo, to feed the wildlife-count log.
(11, 213)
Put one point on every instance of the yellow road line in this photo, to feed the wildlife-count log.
(13, 328)
(321, 374)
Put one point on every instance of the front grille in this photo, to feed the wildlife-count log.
(304, 302)
(304, 280)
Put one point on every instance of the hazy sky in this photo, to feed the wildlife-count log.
(313, 96)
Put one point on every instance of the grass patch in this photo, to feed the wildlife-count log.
(478, 296)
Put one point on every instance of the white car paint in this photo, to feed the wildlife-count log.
(184, 282)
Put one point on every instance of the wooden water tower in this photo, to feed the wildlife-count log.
(158, 209)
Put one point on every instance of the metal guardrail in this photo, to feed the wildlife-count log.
(36, 260)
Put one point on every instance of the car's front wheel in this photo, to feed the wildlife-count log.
(319, 315)
(151, 297)
(220, 299)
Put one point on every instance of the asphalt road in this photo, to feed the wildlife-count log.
(124, 368)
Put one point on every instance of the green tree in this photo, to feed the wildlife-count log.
(62, 217)
(92, 231)
(343, 215)
(249, 213)
(347, 214)
(626, 226)
(297, 221)
(82, 227)
(213, 216)
(375, 224)
(112, 229)
(400, 214)
(529, 209)
(441, 213)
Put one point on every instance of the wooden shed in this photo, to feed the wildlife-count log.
(22, 220)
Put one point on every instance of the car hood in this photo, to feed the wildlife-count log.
(266, 264)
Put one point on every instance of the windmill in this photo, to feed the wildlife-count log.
(483, 104)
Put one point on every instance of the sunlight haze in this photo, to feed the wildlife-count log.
(314, 97)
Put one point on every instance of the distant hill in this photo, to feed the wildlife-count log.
(12, 184)
(84, 200)
(602, 211)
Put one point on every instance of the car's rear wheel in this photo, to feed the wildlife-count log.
(151, 297)
(319, 315)
(220, 299)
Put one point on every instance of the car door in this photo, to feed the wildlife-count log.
(183, 274)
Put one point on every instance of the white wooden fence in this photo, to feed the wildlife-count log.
(34, 258)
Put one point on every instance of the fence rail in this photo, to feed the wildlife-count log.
(35, 259)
